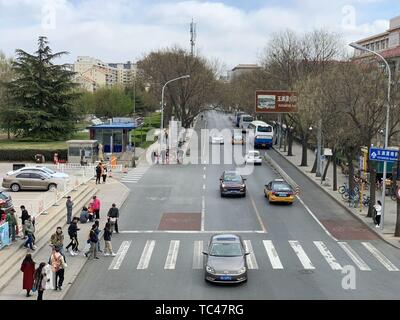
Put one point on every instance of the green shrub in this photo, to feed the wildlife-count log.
(29, 154)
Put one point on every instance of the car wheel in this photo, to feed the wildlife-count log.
(52, 187)
(244, 195)
(15, 187)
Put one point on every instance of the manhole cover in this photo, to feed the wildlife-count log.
(306, 271)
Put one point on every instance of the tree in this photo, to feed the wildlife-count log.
(41, 95)
(112, 102)
(186, 98)
(6, 75)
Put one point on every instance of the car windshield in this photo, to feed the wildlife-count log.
(3, 196)
(247, 119)
(226, 250)
(264, 129)
(231, 177)
(254, 154)
(48, 170)
(281, 187)
(238, 137)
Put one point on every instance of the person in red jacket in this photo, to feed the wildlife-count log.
(28, 268)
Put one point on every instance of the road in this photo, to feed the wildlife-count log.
(314, 238)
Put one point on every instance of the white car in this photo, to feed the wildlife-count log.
(50, 172)
(217, 139)
(237, 139)
(253, 157)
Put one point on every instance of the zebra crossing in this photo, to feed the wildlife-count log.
(267, 251)
(134, 175)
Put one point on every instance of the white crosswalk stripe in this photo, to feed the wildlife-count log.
(298, 249)
(172, 255)
(251, 258)
(146, 255)
(135, 175)
(380, 257)
(327, 255)
(272, 255)
(198, 255)
(354, 256)
(117, 261)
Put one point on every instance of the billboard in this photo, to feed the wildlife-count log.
(276, 101)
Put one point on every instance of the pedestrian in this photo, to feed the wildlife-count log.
(57, 240)
(378, 212)
(30, 232)
(58, 266)
(69, 204)
(28, 268)
(107, 240)
(113, 215)
(12, 224)
(97, 223)
(96, 207)
(73, 235)
(84, 216)
(24, 217)
(93, 239)
(104, 173)
(98, 173)
(91, 212)
(40, 279)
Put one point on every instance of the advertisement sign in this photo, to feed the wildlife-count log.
(4, 236)
(276, 101)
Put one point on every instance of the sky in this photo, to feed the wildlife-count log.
(230, 31)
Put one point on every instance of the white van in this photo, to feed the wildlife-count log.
(244, 122)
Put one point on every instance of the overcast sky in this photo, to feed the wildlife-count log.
(232, 31)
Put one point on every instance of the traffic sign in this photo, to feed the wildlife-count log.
(377, 154)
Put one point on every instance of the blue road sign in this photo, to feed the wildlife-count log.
(377, 154)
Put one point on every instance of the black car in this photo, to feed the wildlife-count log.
(232, 183)
(225, 259)
(5, 202)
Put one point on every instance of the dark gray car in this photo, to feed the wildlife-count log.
(226, 259)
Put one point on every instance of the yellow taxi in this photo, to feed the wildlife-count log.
(279, 191)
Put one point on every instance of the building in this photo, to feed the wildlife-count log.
(242, 69)
(93, 73)
(386, 43)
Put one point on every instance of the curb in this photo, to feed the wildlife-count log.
(340, 203)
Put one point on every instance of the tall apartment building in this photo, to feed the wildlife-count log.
(386, 43)
(93, 73)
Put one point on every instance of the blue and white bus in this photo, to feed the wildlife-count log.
(261, 134)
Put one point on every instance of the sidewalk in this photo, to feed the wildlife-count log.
(111, 192)
(390, 206)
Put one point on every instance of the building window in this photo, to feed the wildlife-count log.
(377, 46)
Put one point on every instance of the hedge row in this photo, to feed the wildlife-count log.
(29, 154)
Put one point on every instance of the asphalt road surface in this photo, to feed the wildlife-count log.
(298, 251)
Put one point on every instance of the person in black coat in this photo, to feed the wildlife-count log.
(24, 217)
(73, 235)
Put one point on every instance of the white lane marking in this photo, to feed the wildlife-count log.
(315, 218)
(380, 256)
(204, 168)
(128, 181)
(146, 255)
(257, 213)
(204, 176)
(117, 261)
(172, 255)
(251, 258)
(203, 211)
(354, 256)
(198, 255)
(204, 187)
(298, 249)
(327, 255)
(192, 231)
(272, 255)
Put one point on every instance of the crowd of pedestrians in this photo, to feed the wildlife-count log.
(50, 274)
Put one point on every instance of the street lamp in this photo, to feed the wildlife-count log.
(359, 47)
(162, 104)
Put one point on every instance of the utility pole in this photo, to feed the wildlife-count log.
(192, 37)
(319, 135)
(397, 229)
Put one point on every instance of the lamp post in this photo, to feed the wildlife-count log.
(162, 104)
(359, 47)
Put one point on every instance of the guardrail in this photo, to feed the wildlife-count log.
(282, 173)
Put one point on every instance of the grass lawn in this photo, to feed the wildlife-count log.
(21, 144)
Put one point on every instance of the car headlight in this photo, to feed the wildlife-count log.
(210, 270)
(223, 185)
(243, 186)
(242, 270)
